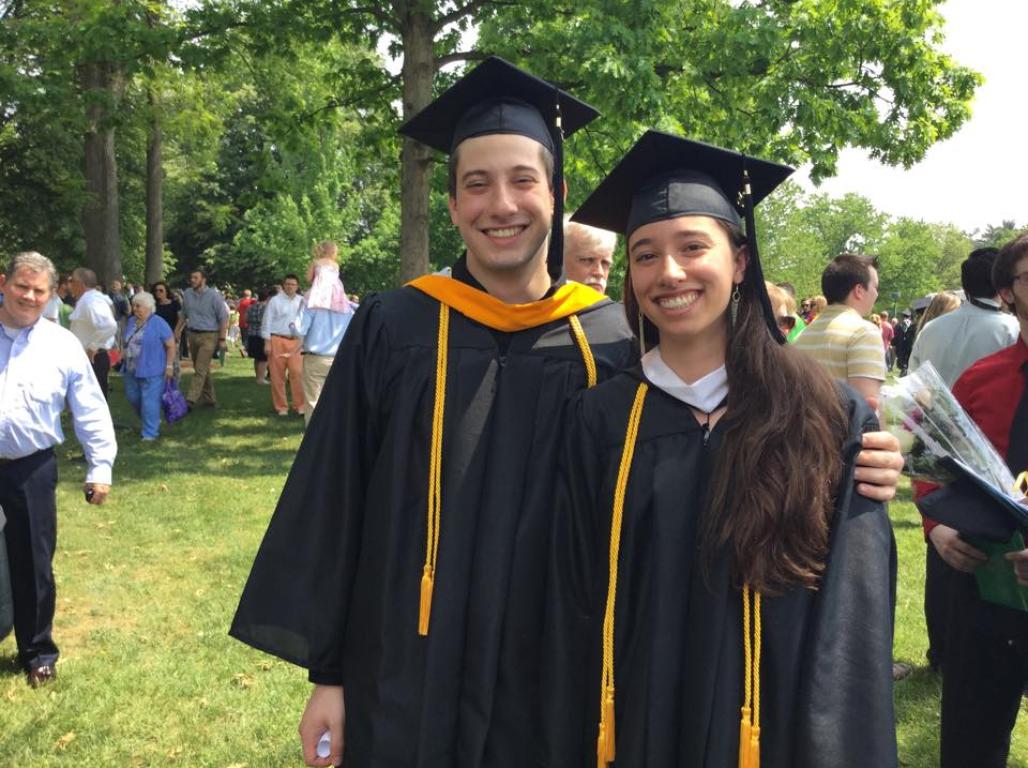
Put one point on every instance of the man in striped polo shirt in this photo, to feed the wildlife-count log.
(848, 346)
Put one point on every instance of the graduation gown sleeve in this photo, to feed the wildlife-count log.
(573, 622)
(315, 532)
(845, 699)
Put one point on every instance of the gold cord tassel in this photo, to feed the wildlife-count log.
(605, 742)
(435, 474)
(425, 611)
(583, 346)
(749, 724)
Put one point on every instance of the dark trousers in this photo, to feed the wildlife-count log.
(102, 367)
(28, 495)
(936, 604)
(983, 677)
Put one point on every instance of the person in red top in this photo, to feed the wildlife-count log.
(244, 327)
(985, 669)
(887, 334)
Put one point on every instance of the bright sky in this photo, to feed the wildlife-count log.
(978, 177)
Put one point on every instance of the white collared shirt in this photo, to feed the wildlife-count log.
(42, 368)
(282, 316)
(92, 321)
(955, 341)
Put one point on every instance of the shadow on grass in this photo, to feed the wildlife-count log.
(242, 437)
(9, 666)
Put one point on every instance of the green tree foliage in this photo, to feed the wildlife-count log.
(278, 116)
(792, 80)
(998, 235)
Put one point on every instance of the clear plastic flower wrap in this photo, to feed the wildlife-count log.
(931, 427)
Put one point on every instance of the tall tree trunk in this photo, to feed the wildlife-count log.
(415, 159)
(101, 86)
(154, 264)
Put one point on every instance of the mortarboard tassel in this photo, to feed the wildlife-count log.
(435, 474)
(754, 272)
(555, 256)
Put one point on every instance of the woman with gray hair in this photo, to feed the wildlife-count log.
(148, 354)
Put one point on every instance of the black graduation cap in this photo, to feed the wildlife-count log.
(497, 97)
(666, 176)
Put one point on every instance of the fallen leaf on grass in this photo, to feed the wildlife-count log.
(65, 740)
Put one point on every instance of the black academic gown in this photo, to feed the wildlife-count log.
(335, 586)
(826, 685)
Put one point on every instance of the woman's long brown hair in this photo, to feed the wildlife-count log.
(774, 484)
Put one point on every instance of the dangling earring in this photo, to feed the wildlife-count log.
(734, 308)
(642, 335)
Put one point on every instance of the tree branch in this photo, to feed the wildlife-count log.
(450, 58)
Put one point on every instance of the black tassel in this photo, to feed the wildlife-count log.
(754, 272)
(555, 257)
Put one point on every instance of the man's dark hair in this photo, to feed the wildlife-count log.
(1006, 261)
(976, 273)
(545, 155)
(845, 272)
(199, 272)
(291, 276)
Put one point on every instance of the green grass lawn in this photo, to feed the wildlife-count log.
(148, 584)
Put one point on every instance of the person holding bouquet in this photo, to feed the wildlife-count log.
(985, 669)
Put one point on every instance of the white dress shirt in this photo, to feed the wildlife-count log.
(92, 321)
(282, 316)
(958, 339)
(42, 368)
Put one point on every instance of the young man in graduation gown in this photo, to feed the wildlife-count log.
(405, 560)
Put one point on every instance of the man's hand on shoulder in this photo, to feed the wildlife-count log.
(879, 464)
(96, 493)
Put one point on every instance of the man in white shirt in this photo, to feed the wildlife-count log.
(282, 345)
(42, 370)
(92, 321)
(955, 341)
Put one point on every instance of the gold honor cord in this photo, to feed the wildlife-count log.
(435, 474)
(605, 743)
(583, 345)
(749, 725)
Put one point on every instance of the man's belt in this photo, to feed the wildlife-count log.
(193, 330)
(284, 336)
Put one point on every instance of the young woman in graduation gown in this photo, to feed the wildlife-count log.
(719, 593)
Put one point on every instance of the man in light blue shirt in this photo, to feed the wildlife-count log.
(43, 368)
(322, 331)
